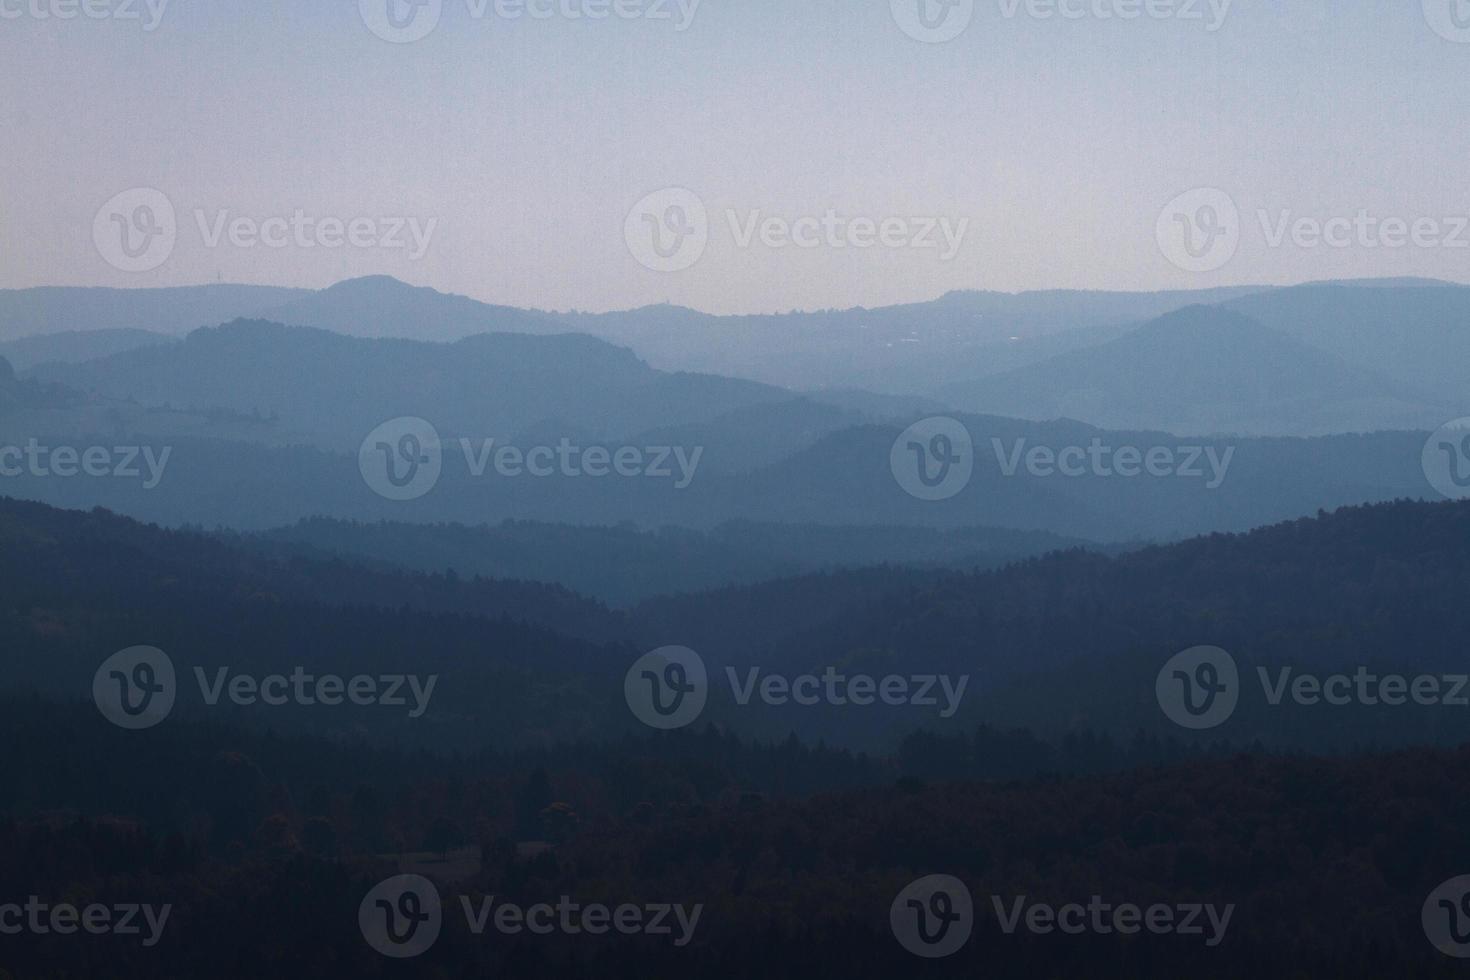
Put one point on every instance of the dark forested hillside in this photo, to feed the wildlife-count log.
(1059, 644)
(1316, 868)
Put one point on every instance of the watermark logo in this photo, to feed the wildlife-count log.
(135, 688)
(136, 230)
(933, 21)
(1099, 459)
(332, 690)
(1211, 13)
(668, 230)
(667, 688)
(860, 690)
(1104, 918)
(1446, 459)
(572, 918)
(933, 917)
(401, 21)
(933, 459)
(407, 21)
(1199, 231)
(1450, 19)
(401, 459)
(1446, 917)
(572, 461)
(1364, 230)
(407, 233)
(836, 231)
(127, 919)
(402, 916)
(1199, 688)
(119, 10)
(67, 462)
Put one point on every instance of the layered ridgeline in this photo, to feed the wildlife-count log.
(1070, 643)
(186, 467)
(624, 564)
(898, 348)
(264, 423)
(1406, 338)
(1210, 370)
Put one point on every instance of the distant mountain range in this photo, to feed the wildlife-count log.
(1414, 333)
(910, 348)
(75, 346)
(337, 388)
(220, 474)
(1305, 360)
(265, 419)
(173, 311)
(380, 306)
(1210, 370)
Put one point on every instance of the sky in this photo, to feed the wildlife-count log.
(733, 155)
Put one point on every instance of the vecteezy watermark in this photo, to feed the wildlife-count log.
(1364, 229)
(66, 462)
(571, 918)
(935, 916)
(667, 688)
(403, 459)
(1446, 459)
(1450, 19)
(1210, 13)
(331, 690)
(137, 231)
(861, 690)
(136, 688)
(934, 459)
(403, 916)
(1198, 688)
(669, 230)
(832, 230)
(933, 21)
(1199, 231)
(1104, 918)
(1099, 459)
(302, 230)
(937, 21)
(120, 10)
(1201, 688)
(40, 918)
(406, 21)
(1446, 917)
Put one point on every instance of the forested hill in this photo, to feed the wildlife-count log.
(1071, 641)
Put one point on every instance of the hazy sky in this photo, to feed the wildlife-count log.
(519, 146)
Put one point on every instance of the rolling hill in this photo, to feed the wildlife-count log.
(1207, 370)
